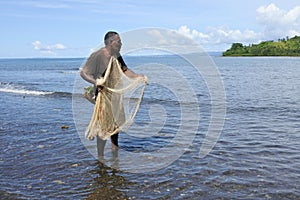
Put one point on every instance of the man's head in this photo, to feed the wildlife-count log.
(113, 41)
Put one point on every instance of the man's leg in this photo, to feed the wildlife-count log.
(100, 147)
(114, 145)
(114, 141)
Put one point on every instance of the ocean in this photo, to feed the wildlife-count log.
(44, 154)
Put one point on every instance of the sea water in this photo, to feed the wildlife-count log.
(257, 155)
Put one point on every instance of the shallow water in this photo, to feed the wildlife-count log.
(257, 155)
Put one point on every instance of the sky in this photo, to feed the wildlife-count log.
(73, 28)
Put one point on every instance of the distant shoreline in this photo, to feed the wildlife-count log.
(283, 47)
(210, 53)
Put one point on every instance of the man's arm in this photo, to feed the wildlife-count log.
(86, 76)
(126, 70)
(131, 74)
(89, 70)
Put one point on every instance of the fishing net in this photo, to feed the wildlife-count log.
(116, 104)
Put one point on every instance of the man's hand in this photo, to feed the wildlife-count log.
(100, 88)
(146, 79)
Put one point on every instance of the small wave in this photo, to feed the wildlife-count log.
(19, 89)
(61, 94)
(23, 91)
(70, 72)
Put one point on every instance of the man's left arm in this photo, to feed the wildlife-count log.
(126, 70)
(131, 74)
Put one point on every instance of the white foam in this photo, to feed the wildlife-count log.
(23, 91)
(70, 72)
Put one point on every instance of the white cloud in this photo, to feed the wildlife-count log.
(219, 37)
(275, 22)
(157, 40)
(278, 23)
(47, 49)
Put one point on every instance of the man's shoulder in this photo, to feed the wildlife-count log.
(102, 52)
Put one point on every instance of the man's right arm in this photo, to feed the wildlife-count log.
(88, 71)
(87, 76)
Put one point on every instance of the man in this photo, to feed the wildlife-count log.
(95, 67)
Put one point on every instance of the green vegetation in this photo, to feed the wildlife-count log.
(283, 47)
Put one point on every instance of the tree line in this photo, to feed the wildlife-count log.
(283, 47)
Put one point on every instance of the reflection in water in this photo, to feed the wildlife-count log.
(108, 184)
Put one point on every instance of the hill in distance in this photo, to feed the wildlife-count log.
(282, 47)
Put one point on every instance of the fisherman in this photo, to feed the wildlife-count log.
(95, 67)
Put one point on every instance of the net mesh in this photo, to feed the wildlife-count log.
(117, 104)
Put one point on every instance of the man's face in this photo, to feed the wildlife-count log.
(116, 44)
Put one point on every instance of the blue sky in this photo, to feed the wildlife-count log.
(71, 28)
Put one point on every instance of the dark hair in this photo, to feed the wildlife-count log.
(108, 36)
